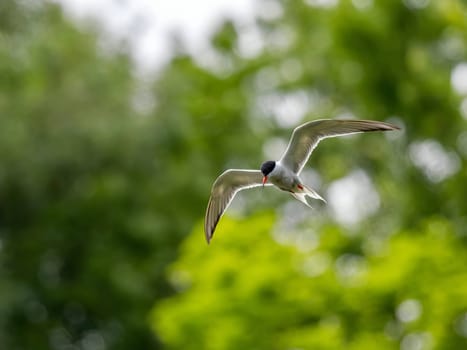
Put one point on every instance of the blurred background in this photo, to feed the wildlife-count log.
(117, 116)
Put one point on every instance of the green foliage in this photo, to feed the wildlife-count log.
(397, 279)
(68, 167)
(95, 196)
(248, 291)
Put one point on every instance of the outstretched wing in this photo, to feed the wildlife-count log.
(223, 190)
(307, 136)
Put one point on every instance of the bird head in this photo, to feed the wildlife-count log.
(266, 168)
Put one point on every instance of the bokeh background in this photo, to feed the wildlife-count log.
(106, 169)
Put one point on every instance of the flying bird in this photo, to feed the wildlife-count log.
(283, 173)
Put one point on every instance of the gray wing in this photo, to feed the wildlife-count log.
(223, 190)
(306, 137)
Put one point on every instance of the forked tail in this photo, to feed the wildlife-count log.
(312, 193)
(303, 192)
(301, 197)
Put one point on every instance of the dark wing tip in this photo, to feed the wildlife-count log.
(207, 234)
(209, 227)
(209, 231)
(378, 126)
(387, 126)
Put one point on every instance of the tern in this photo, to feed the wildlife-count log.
(283, 173)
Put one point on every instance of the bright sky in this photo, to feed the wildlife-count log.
(148, 23)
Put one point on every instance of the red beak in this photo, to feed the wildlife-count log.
(265, 178)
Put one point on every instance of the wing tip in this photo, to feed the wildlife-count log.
(208, 237)
(388, 127)
(209, 224)
(208, 231)
(380, 125)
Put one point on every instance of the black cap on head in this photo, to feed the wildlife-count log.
(267, 167)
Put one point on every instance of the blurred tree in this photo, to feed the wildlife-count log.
(249, 292)
(392, 277)
(100, 181)
(96, 196)
(72, 272)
